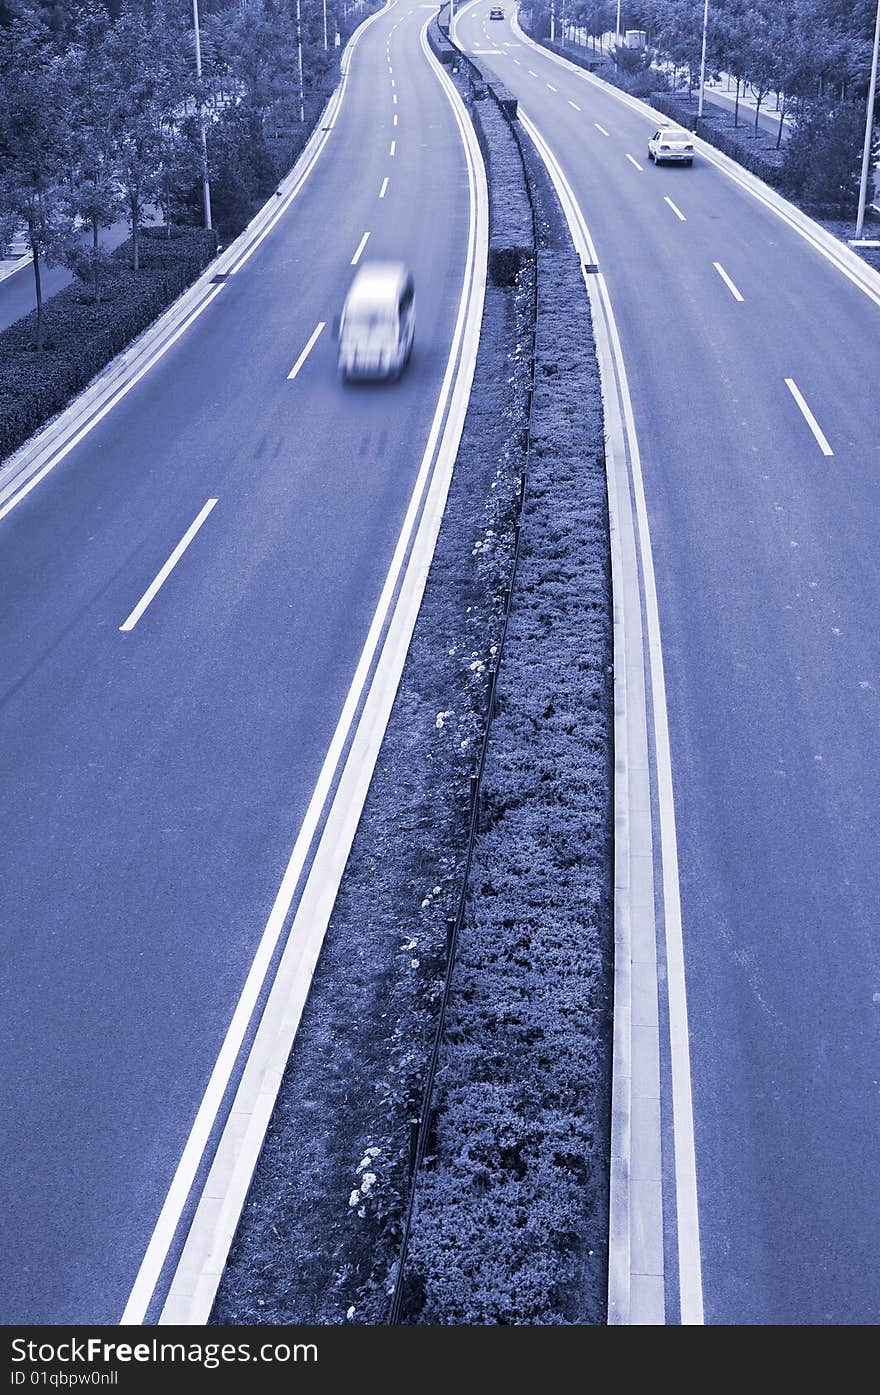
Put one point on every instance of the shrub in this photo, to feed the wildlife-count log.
(822, 157)
(81, 337)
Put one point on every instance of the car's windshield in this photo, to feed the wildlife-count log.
(675, 138)
(370, 319)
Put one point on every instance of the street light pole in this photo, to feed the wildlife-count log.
(869, 124)
(617, 26)
(552, 20)
(325, 26)
(299, 56)
(703, 58)
(206, 186)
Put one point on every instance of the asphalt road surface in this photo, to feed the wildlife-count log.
(749, 358)
(152, 781)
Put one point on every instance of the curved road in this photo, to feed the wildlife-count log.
(154, 779)
(733, 330)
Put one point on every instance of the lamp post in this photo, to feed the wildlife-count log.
(206, 186)
(552, 20)
(299, 58)
(869, 123)
(703, 58)
(325, 26)
(617, 26)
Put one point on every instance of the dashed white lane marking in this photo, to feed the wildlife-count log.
(361, 245)
(394, 99)
(600, 128)
(393, 83)
(313, 339)
(634, 161)
(808, 417)
(169, 566)
(727, 281)
(393, 151)
(677, 211)
(384, 187)
(532, 73)
(517, 62)
(573, 104)
(552, 88)
(395, 118)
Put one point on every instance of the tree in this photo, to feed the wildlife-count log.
(95, 198)
(34, 132)
(153, 96)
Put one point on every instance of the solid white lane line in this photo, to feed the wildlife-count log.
(393, 149)
(313, 339)
(169, 566)
(573, 104)
(727, 281)
(808, 417)
(677, 211)
(634, 161)
(361, 245)
(600, 128)
(384, 187)
(552, 88)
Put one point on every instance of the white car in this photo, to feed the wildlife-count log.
(672, 143)
(378, 322)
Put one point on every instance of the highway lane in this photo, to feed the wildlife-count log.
(768, 578)
(152, 782)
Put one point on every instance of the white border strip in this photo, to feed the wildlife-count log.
(199, 1270)
(162, 576)
(811, 421)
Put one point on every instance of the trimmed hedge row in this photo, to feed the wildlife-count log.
(81, 337)
(511, 240)
(511, 1216)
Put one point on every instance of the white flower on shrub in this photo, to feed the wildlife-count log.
(354, 1198)
(414, 963)
(410, 945)
(367, 1181)
(443, 717)
(350, 1313)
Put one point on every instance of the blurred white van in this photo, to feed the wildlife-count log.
(378, 322)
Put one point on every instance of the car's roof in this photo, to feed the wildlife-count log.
(377, 281)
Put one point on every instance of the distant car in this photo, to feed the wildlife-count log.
(496, 12)
(673, 144)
